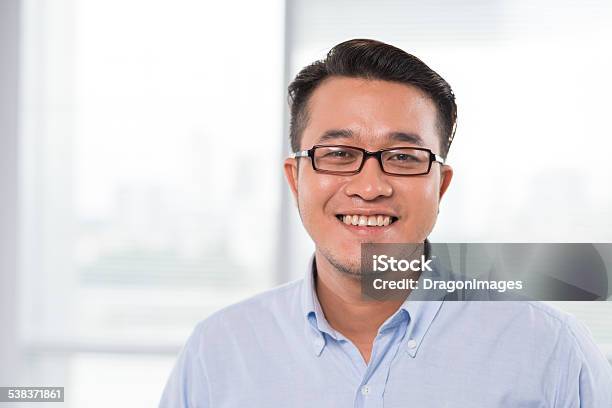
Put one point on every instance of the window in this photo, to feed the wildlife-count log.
(146, 207)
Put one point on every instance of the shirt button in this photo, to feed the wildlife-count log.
(365, 390)
(412, 344)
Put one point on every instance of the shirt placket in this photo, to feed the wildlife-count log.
(371, 389)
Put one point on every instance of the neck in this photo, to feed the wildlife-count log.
(345, 309)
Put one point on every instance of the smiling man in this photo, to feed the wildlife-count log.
(370, 129)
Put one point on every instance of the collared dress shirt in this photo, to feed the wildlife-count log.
(278, 350)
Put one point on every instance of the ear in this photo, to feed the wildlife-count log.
(291, 174)
(446, 175)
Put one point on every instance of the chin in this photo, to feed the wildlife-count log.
(347, 262)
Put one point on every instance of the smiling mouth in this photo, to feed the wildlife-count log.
(366, 220)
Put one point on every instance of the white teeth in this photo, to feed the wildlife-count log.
(367, 221)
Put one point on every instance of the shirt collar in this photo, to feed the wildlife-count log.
(316, 324)
(419, 313)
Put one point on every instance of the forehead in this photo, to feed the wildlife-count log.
(370, 114)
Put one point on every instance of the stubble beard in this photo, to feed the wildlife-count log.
(348, 269)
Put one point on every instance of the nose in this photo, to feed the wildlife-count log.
(370, 183)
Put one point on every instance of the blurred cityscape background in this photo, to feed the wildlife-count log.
(142, 142)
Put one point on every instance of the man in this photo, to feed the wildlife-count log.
(317, 342)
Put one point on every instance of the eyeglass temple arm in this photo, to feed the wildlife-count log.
(438, 158)
(303, 153)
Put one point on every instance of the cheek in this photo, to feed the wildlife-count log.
(430, 193)
(422, 202)
(314, 192)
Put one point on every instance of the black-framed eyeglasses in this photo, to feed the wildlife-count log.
(347, 160)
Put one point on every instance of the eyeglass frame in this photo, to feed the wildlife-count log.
(367, 154)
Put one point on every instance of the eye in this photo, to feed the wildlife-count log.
(403, 157)
(338, 155)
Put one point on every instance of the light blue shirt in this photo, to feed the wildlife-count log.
(278, 350)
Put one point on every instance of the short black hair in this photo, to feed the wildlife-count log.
(370, 59)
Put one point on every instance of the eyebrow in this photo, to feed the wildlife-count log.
(334, 134)
(406, 137)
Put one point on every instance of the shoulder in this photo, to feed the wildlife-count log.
(548, 317)
(584, 373)
(280, 298)
(528, 325)
(526, 313)
(523, 314)
(540, 327)
(269, 308)
(539, 313)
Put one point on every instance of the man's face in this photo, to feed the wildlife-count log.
(373, 115)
